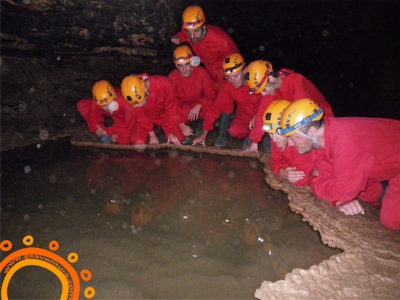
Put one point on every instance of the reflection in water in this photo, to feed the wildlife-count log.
(156, 225)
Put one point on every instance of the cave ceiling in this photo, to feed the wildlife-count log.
(81, 27)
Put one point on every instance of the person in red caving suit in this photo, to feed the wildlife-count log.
(359, 154)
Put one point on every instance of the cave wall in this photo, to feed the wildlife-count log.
(53, 51)
(138, 27)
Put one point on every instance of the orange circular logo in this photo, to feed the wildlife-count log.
(47, 259)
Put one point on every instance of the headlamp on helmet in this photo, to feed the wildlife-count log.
(273, 114)
(233, 63)
(182, 55)
(193, 17)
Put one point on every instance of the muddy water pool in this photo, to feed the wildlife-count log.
(172, 224)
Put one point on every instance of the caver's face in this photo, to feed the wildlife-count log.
(196, 35)
(269, 89)
(301, 143)
(279, 140)
(185, 69)
(236, 79)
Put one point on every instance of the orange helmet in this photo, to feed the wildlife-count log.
(233, 63)
(193, 17)
(182, 55)
(113, 206)
(133, 89)
(103, 92)
(298, 114)
(273, 114)
(257, 75)
(141, 213)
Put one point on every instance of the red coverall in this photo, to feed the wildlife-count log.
(281, 158)
(160, 109)
(295, 86)
(123, 117)
(192, 90)
(212, 50)
(246, 107)
(359, 154)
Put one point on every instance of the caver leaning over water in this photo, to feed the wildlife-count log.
(107, 102)
(210, 43)
(232, 96)
(154, 104)
(285, 161)
(359, 154)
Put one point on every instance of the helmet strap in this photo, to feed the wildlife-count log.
(313, 138)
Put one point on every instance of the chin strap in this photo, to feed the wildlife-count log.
(314, 139)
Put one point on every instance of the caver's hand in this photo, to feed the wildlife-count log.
(350, 207)
(291, 174)
(201, 138)
(185, 129)
(176, 40)
(194, 113)
(253, 148)
(173, 139)
(153, 140)
(100, 132)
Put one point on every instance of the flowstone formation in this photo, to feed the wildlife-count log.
(367, 269)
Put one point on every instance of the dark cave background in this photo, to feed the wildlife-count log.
(52, 51)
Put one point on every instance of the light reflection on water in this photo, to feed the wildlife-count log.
(155, 225)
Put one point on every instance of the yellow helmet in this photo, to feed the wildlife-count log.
(103, 92)
(133, 89)
(273, 114)
(298, 114)
(182, 55)
(257, 75)
(193, 17)
(233, 63)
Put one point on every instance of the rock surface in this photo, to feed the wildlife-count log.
(368, 268)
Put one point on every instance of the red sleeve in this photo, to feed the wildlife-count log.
(344, 179)
(182, 35)
(278, 159)
(92, 113)
(343, 168)
(258, 132)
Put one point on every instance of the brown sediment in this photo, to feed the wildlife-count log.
(368, 268)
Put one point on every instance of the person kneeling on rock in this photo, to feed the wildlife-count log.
(107, 102)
